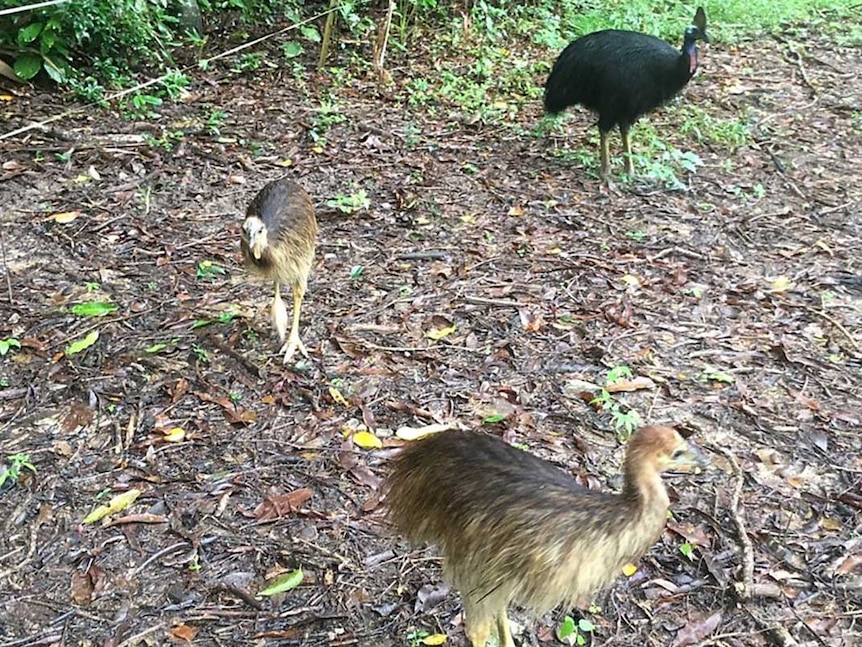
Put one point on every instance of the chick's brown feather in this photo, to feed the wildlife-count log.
(288, 215)
(515, 528)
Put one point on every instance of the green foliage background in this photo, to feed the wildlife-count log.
(94, 45)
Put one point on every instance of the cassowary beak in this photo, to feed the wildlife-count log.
(255, 236)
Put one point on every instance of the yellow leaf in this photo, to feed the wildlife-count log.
(516, 211)
(336, 395)
(439, 333)
(434, 639)
(422, 220)
(830, 524)
(468, 219)
(631, 280)
(629, 569)
(367, 440)
(66, 217)
(780, 284)
(5, 97)
(116, 504)
(285, 162)
(82, 178)
(175, 435)
(415, 433)
(554, 251)
(824, 246)
(317, 149)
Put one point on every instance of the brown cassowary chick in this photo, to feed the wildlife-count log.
(278, 239)
(622, 75)
(514, 528)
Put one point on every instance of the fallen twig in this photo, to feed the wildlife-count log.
(744, 586)
(6, 266)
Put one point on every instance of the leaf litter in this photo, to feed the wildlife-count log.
(484, 282)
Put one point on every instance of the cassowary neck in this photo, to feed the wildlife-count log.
(688, 54)
(643, 486)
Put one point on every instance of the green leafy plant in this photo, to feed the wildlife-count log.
(687, 549)
(166, 142)
(142, 106)
(625, 419)
(208, 271)
(93, 309)
(350, 203)
(328, 115)
(224, 317)
(17, 464)
(575, 633)
(214, 121)
(201, 353)
(111, 37)
(7, 344)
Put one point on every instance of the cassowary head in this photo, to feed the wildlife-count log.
(254, 233)
(697, 31)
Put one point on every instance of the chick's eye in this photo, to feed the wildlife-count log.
(678, 453)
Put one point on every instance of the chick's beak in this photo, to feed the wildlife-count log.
(252, 238)
(692, 460)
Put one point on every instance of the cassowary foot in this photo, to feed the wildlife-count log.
(291, 346)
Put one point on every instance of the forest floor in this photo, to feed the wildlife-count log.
(485, 280)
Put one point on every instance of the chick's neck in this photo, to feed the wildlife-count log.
(643, 487)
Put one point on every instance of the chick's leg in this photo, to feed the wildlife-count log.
(477, 632)
(293, 341)
(603, 154)
(279, 313)
(504, 632)
(627, 151)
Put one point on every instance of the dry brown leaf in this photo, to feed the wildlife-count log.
(80, 415)
(184, 632)
(138, 518)
(275, 506)
(85, 585)
(696, 629)
(81, 588)
(365, 476)
(235, 415)
(849, 564)
(532, 321)
(634, 384)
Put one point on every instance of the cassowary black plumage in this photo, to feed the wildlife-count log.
(622, 75)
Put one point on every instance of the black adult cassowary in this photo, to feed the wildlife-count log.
(278, 240)
(622, 75)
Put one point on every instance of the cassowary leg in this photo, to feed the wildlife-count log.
(279, 313)
(504, 632)
(603, 154)
(477, 632)
(627, 150)
(293, 341)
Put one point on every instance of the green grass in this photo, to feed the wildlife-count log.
(487, 72)
(727, 134)
(727, 20)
